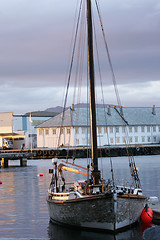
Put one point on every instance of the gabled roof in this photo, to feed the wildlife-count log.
(132, 115)
(57, 120)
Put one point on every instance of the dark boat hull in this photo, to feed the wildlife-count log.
(102, 212)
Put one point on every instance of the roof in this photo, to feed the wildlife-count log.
(133, 116)
(11, 135)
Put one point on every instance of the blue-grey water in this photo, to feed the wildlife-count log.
(23, 208)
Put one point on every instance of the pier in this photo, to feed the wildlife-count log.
(80, 152)
(6, 156)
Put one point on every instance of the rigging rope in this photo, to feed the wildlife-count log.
(134, 172)
(70, 70)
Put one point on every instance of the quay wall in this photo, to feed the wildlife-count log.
(113, 151)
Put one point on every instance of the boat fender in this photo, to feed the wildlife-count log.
(39, 153)
(0, 182)
(51, 152)
(147, 214)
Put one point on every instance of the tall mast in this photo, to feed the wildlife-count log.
(95, 171)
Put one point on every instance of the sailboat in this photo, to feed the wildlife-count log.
(94, 203)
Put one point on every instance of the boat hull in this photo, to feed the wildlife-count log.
(102, 212)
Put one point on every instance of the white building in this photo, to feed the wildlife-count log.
(142, 127)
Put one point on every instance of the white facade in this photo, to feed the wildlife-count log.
(143, 127)
(48, 137)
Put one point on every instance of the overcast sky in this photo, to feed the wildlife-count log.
(35, 36)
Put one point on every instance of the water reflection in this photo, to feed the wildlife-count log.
(57, 232)
(23, 208)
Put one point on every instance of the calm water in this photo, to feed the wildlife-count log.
(23, 208)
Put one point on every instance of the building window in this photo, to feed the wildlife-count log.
(61, 131)
(40, 131)
(142, 129)
(77, 141)
(124, 140)
(47, 131)
(111, 129)
(105, 129)
(123, 129)
(130, 139)
(54, 131)
(159, 128)
(148, 128)
(136, 139)
(83, 130)
(154, 128)
(130, 129)
(77, 130)
(149, 139)
(68, 131)
(154, 139)
(143, 139)
(117, 129)
(118, 140)
(111, 140)
(99, 130)
(135, 129)
(83, 140)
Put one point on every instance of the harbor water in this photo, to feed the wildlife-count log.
(23, 207)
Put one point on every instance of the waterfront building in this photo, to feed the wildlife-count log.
(141, 125)
(7, 131)
(25, 124)
(21, 128)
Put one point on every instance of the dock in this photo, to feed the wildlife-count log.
(78, 152)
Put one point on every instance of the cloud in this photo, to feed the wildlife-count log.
(35, 50)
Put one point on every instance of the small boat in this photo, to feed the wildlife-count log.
(94, 203)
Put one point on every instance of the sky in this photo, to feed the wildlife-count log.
(35, 38)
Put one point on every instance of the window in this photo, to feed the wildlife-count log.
(61, 131)
(135, 129)
(54, 131)
(124, 140)
(130, 139)
(118, 140)
(148, 128)
(123, 129)
(77, 141)
(105, 130)
(149, 139)
(159, 128)
(142, 129)
(111, 129)
(117, 129)
(83, 130)
(130, 129)
(40, 131)
(111, 140)
(154, 139)
(154, 128)
(136, 139)
(47, 131)
(77, 130)
(68, 131)
(99, 130)
(143, 139)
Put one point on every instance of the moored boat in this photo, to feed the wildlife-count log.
(94, 203)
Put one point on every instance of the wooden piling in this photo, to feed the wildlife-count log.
(23, 162)
(4, 162)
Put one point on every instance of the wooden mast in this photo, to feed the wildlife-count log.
(95, 172)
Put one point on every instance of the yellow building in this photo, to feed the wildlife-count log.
(6, 130)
